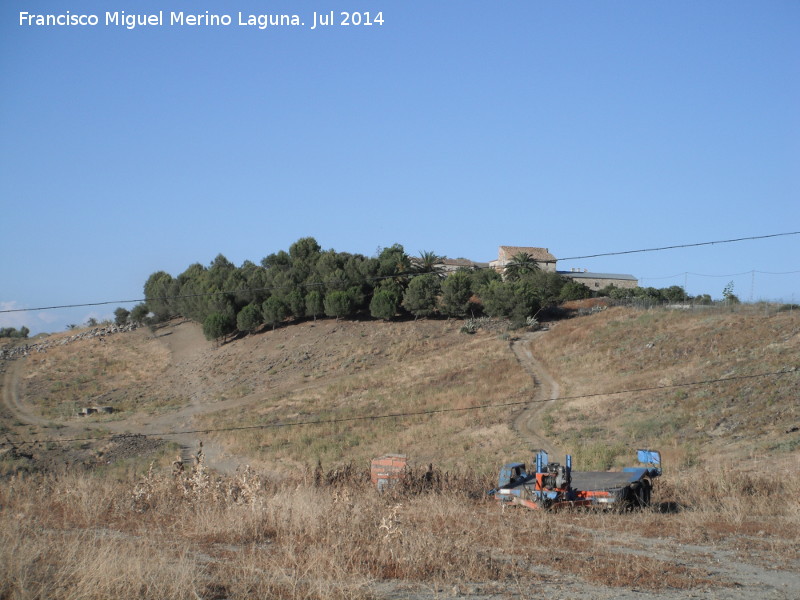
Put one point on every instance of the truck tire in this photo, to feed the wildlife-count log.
(638, 494)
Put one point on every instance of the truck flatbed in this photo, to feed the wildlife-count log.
(604, 480)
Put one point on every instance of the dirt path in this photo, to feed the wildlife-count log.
(528, 423)
(191, 358)
(187, 347)
(189, 361)
(11, 400)
(753, 577)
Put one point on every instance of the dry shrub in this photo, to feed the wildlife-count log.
(255, 575)
(285, 540)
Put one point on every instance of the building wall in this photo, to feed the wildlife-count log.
(500, 267)
(550, 267)
(595, 284)
(504, 257)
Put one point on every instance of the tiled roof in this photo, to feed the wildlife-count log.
(538, 254)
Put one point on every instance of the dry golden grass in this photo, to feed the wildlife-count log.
(330, 535)
(124, 371)
(730, 485)
(622, 349)
(414, 368)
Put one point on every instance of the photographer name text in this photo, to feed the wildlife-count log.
(130, 21)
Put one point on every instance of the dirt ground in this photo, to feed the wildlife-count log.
(546, 393)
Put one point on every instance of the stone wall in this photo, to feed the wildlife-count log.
(96, 332)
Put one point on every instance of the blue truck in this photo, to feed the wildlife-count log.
(555, 486)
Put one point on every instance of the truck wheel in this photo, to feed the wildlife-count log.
(634, 495)
(639, 494)
(646, 492)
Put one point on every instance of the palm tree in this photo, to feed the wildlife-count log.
(520, 264)
(428, 262)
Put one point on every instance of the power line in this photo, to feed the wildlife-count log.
(685, 273)
(84, 304)
(743, 273)
(777, 272)
(752, 274)
(665, 277)
(755, 237)
(406, 274)
(407, 414)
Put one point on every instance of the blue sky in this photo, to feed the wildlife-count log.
(583, 127)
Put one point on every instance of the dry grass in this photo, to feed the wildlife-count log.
(290, 531)
(627, 349)
(125, 371)
(329, 535)
(413, 368)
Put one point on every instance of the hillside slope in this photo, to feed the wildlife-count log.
(171, 379)
(348, 374)
(622, 349)
(285, 530)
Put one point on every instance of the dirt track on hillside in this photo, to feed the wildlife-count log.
(528, 423)
(207, 380)
(11, 400)
(186, 376)
(187, 347)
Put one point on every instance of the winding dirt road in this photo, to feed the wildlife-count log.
(11, 400)
(187, 346)
(528, 423)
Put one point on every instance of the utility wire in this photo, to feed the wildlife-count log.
(687, 273)
(756, 237)
(723, 275)
(406, 414)
(407, 274)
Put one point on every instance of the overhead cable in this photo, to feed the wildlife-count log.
(694, 245)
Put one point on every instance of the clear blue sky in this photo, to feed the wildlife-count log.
(457, 126)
